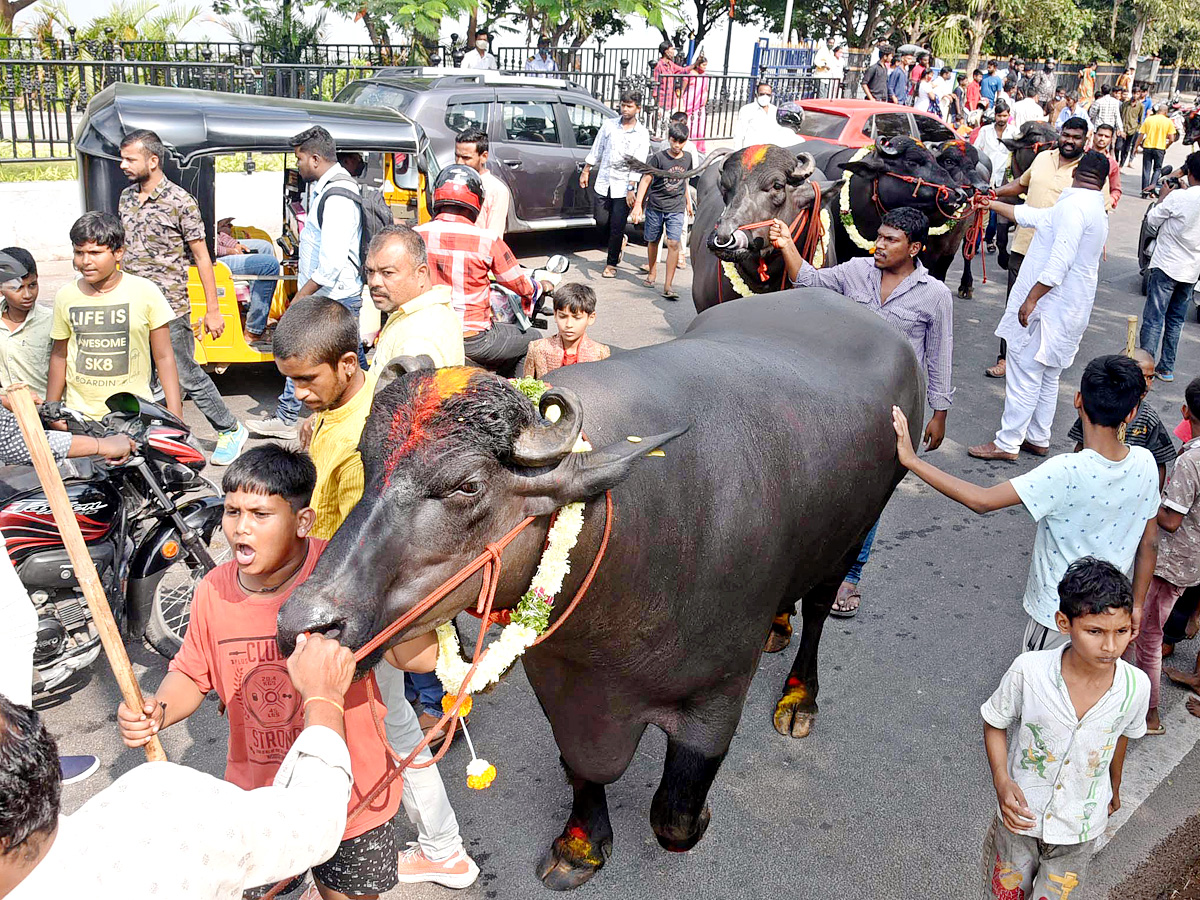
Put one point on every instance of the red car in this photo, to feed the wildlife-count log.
(855, 123)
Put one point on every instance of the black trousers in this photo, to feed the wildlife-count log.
(618, 215)
(1124, 149)
(1151, 167)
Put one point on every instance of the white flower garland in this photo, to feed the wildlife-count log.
(735, 278)
(529, 619)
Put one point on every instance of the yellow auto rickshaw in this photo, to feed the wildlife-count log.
(391, 152)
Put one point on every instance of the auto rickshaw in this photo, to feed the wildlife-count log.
(198, 126)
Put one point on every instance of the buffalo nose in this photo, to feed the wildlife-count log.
(309, 618)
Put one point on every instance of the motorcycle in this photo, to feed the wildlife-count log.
(1147, 240)
(150, 542)
(507, 305)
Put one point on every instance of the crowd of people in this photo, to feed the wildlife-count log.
(1117, 541)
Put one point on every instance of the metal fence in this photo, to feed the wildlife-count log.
(108, 49)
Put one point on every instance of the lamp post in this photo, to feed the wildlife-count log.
(728, 38)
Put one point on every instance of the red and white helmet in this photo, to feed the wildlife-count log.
(458, 186)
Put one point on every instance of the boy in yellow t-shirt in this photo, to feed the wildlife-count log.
(108, 325)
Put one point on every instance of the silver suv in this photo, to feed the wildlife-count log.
(540, 131)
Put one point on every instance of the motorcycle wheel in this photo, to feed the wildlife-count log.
(171, 609)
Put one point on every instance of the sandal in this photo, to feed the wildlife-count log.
(648, 282)
(998, 370)
(670, 294)
(609, 272)
(846, 593)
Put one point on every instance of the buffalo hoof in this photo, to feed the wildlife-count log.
(680, 840)
(790, 718)
(966, 293)
(780, 634)
(571, 861)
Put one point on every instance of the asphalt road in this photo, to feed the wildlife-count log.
(890, 796)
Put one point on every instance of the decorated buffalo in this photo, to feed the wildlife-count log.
(938, 179)
(752, 186)
(1032, 139)
(761, 498)
(1191, 128)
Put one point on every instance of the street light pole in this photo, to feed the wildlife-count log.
(729, 37)
(787, 21)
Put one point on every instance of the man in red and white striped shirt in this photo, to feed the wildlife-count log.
(463, 256)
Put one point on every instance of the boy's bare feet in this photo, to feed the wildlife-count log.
(1193, 706)
(1168, 649)
(1188, 680)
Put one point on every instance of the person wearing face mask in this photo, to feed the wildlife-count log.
(542, 63)
(480, 58)
(753, 117)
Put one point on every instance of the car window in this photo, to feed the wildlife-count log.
(372, 93)
(933, 131)
(822, 124)
(461, 116)
(585, 122)
(888, 125)
(531, 121)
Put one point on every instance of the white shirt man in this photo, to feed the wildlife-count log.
(479, 57)
(755, 118)
(1053, 295)
(1177, 223)
(989, 143)
(542, 65)
(1025, 110)
(613, 145)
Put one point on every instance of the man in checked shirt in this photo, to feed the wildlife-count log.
(897, 286)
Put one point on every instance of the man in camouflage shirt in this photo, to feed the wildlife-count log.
(162, 227)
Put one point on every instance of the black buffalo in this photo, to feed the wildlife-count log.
(1032, 139)
(752, 185)
(936, 179)
(763, 497)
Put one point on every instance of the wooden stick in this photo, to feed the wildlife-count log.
(1130, 335)
(81, 560)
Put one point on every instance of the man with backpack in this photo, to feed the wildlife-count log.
(340, 219)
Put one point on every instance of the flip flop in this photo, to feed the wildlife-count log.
(609, 272)
(670, 295)
(845, 592)
(648, 282)
(1153, 731)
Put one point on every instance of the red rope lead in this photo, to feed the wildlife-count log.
(490, 560)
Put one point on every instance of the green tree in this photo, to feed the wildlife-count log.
(277, 27)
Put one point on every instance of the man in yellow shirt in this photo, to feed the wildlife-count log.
(108, 325)
(1154, 137)
(1042, 183)
(421, 319)
(316, 345)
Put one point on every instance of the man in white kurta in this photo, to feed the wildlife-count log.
(1049, 307)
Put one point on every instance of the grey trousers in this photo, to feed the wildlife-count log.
(425, 800)
(1038, 637)
(194, 381)
(1015, 866)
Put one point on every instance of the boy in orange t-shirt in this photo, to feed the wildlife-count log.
(230, 647)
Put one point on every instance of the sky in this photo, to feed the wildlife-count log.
(344, 30)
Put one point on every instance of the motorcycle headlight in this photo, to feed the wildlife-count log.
(177, 475)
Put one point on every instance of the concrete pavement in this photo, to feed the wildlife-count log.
(890, 796)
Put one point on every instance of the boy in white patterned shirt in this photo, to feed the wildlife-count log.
(1074, 708)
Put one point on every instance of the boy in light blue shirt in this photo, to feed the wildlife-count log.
(1101, 502)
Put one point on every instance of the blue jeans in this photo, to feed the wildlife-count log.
(424, 688)
(855, 573)
(260, 261)
(287, 410)
(1166, 307)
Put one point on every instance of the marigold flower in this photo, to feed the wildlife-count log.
(448, 701)
(480, 774)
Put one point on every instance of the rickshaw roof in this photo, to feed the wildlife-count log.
(194, 123)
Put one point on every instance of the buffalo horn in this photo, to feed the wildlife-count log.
(402, 365)
(805, 166)
(546, 443)
(887, 149)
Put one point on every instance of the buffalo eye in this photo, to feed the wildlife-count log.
(469, 488)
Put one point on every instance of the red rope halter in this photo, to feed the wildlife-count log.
(807, 222)
(490, 561)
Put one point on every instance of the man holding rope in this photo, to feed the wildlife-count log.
(897, 286)
(205, 838)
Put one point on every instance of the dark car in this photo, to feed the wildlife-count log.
(540, 129)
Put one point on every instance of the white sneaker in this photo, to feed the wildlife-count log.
(272, 426)
(455, 871)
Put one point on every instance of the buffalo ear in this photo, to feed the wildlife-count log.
(1011, 144)
(867, 166)
(581, 476)
(402, 365)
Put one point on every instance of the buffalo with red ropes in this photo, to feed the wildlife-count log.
(685, 557)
